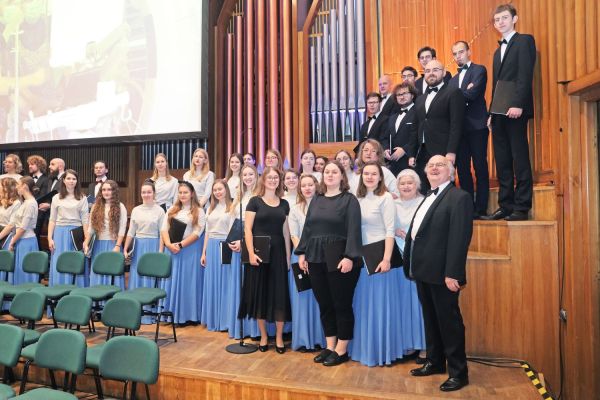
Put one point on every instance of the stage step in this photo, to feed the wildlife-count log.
(543, 207)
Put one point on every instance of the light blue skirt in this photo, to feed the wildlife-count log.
(184, 289)
(101, 246)
(307, 330)
(377, 328)
(62, 243)
(215, 305)
(234, 286)
(23, 247)
(142, 246)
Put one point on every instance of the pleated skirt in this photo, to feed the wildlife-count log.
(101, 246)
(22, 248)
(62, 243)
(142, 246)
(234, 288)
(215, 304)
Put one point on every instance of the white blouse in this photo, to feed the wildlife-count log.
(105, 234)
(184, 215)
(297, 218)
(6, 213)
(146, 221)
(69, 211)
(234, 185)
(166, 190)
(378, 215)
(291, 198)
(202, 187)
(388, 178)
(26, 218)
(219, 222)
(405, 210)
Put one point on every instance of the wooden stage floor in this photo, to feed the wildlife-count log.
(198, 367)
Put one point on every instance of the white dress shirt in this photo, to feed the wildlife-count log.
(401, 117)
(505, 45)
(422, 211)
(462, 74)
(431, 96)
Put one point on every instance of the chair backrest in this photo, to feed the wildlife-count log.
(11, 342)
(109, 263)
(61, 349)
(7, 261)
(71, 262)
(36, 262)
(130, 358)
(28, 306)
(122, 312)
(73, 309)
(156, 265)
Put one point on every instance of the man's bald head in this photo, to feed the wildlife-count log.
(385, 85)
(57, 165)
(434, 73)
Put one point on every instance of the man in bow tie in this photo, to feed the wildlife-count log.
(471, 79)
(375, 125)
(438, 121)
(388, 106)
(100, 175)
(435, 256)
(514, 62)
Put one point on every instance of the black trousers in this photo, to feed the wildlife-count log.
(473, 146)
(334, 292)
(423, 157)
(511, 152)
(444, 328)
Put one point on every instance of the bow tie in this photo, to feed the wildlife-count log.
(35, 178)
(403, 111)
(431, 89)
(501, 42)
(98, 180)
(372, 117)
(433, 191)
(460, 69)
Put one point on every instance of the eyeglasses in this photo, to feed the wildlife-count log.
(427, 57)
(408, 76)
(402, 94)
(434, 70)
(272, 178)
(438, 165)
(372, 103)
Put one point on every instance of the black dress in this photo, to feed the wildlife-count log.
(265, 293)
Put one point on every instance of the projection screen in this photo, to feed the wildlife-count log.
(101, 70)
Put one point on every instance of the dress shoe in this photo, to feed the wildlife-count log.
(334, 359)
(517, 216)
(322, 356)
(428, 369)
(453, 384)
(420, 360)
(498, 214)
(280, 350)
(263, 348)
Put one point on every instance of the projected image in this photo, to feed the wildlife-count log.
(84, 69)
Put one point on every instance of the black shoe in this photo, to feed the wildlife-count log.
(411, 356)
(280, 350)
(420, 360)
(302, 349)
(264, 348)
(322, 356)
(517, 216)
(498, 214)
(335, 359)
(428, 369)
(453, 384)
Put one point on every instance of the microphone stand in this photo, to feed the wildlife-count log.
(241, 347)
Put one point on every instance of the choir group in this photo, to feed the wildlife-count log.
(349, 313)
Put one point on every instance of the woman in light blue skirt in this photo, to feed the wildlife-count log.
(219, 220)
(108, 221)
(377, 330)
(184, 289)
(23, 239)
(413, 331)
(68, 211)
(307, 331)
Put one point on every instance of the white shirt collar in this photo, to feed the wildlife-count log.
(442, 187)
(509, 36)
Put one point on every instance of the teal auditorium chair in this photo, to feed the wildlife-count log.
(29, 307)
(34, 262)
(7, 265)
(11, 341)
(74, 310)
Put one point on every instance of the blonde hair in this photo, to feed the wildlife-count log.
(167, 172)
(17, 161)
(205, 167)
(213, 200)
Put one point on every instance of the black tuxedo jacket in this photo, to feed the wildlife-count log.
(442, 242)
(41, 186)
(400, 137)
(419, 82)
(378, 130)
(91, 191)
(476, 113)
(58, 184)
(517, 66)
(390, 107)
(441, 125)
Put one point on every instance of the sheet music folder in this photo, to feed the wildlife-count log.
(302, 280)
(226, 253)
(503, 97)
(262, 248)
(47, 198)
(373, 254)
(176, 230)
(334, 252)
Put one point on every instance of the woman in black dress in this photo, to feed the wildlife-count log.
(332, 217)
(265, 293)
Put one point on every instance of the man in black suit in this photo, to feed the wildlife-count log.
(37, 169)
(514, 61)
(100, 175)
(471, 79)
(435, 255)
(425, 55)
(388, 106)
(395, 141)
(375, 125)
(439, 118)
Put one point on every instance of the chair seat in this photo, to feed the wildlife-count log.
(145, 297)
(6, 392)
(92, 357)
(4, 283)
(55, 292)
(28, 352)
(31, 336)
(12, 291)
(46, 394)
(99, 292)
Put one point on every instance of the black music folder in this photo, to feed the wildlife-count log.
(226, 253)
(164, 207)
(132, 248)
(302, 280)
(176, 230)
(236, 232)
(503, 95)
(2, 241)
(334, 252)
(47, 198)
(77, 237)
(262, 248)
(373, 254)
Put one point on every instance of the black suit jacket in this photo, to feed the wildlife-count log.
(476, 113)
(419, 82)
(378, 130)
(442, 242)
(58, 184)
(390, 107)
(517, 66)
(41, 186)
(441, 125)
(399, 138)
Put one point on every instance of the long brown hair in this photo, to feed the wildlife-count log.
(213, 200)
(194, 205)
(27, 181)
(9, 192)
(301, 200)
(63, 189)
(229, 172)
(379, 190)
(359, 162)
(344, 186)
(260, 191)
(114, 213)
(167, 172)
